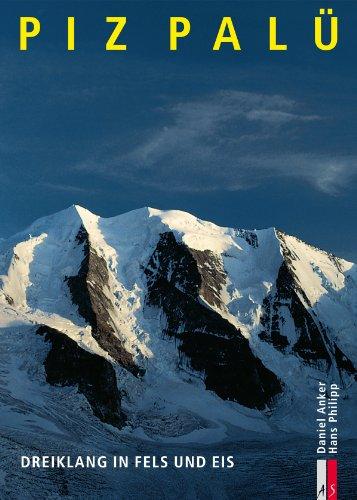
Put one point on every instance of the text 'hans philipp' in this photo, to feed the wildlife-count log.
(327, 409)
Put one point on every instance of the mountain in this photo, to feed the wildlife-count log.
(167, 325)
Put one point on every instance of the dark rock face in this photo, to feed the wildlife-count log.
(67, 364)
(88, 293)
(250, 237)
(288, 298)
(344, 364)
(212, 275)
(231, 369)
(311, 343)
(175, 278)
(9, 300)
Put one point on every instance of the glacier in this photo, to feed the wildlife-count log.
(202, 328)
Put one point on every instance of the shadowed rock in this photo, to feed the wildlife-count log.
(67, 364)
(212, 276)
(344, 364)
(311, 343)
(88, 290)
(210, 343)
(250, 237)
(287, 297)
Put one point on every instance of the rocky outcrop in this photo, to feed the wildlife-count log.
(67, 364)
(212, 276)
(176, 278)
(287, 303)
(90, 292)
(284, 301)
(343, 363)
(250, 237)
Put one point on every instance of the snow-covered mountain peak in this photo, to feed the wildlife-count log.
(194, 231)
(84, 213)
(183, 309)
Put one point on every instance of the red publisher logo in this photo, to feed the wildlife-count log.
(332, 479)
(326, 487)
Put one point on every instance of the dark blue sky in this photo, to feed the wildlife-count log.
(246, 139)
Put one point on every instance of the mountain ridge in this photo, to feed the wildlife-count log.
(237, 313)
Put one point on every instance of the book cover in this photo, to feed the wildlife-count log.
(178, 293)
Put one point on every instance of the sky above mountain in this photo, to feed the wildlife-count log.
(245, 139)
